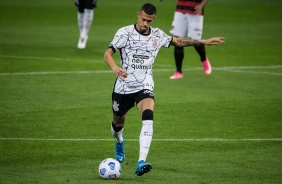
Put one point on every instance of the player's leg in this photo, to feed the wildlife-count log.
(117, 127)
(117, 132)
(120, 105)
(80, 14)
(178, 58)
(146, 107)
(86, 8)
(195, 31)
(205, 61)
(178, 29)
(145, 140)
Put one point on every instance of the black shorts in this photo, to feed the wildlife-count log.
(121, 103)
(85, 4)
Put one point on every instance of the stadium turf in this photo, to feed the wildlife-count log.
(55, 100)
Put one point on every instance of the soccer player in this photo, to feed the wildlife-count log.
(189, 18)
(139, 45)
(85, 16)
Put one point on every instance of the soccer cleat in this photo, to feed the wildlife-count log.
(82, 42)
(176, 75)
(207, 66)
(142, 168)
(120, 153)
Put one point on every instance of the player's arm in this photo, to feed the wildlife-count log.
(199, 7)
(108, 58)
(185, 42)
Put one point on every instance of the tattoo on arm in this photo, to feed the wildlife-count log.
(187, 42)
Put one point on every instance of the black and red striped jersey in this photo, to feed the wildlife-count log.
(187, 6)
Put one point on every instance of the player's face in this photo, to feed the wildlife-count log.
(144, 22)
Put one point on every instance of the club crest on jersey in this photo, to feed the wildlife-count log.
(155, 42)
(115, 106)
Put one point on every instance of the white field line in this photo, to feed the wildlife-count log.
(55, 73)
(225, 69)
(157, 140)
(45, 58)
(244, 71)
(163, 65)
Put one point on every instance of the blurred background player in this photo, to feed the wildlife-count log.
(85, 17)
(189, 18)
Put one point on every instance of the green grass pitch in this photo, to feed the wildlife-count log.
(55, 100)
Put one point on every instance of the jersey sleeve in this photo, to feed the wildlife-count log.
(166, 39)
(119, 40)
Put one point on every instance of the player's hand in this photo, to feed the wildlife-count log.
(120, 73)
(214, 41)
(198, 10)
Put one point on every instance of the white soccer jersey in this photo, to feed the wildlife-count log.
(138, 53)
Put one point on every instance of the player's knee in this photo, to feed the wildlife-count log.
(118, 120)
(147, 114)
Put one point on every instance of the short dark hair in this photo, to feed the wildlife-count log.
(149, 9)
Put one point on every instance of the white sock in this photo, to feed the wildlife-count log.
(145, 139)
(87, 21)
(80, 21)
(117, 135)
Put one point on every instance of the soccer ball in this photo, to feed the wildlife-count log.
(110, 169)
